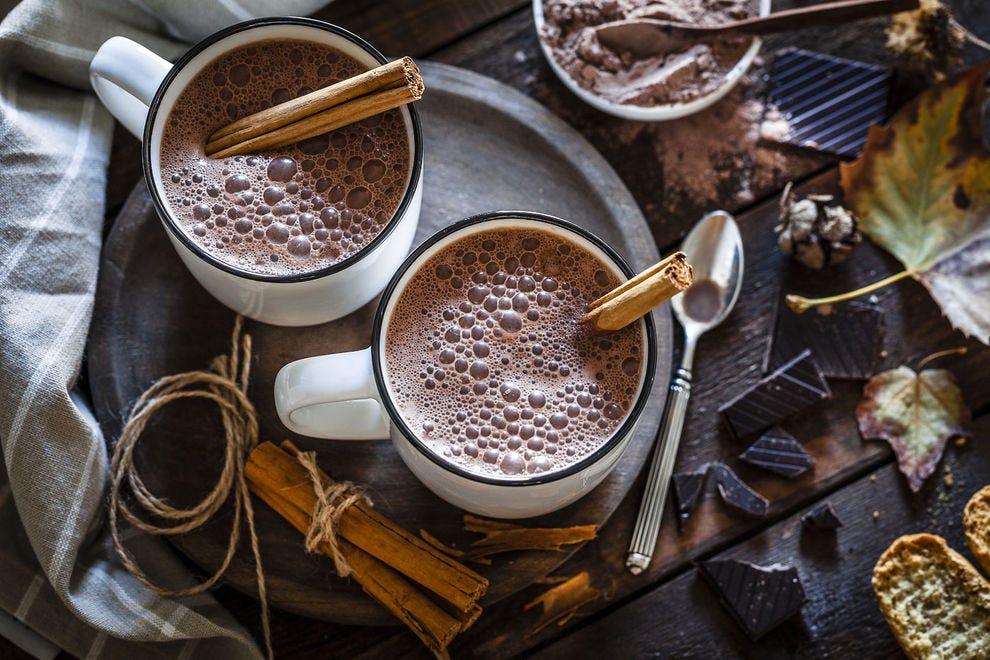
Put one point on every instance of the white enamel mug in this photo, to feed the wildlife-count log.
(346, 396)
(140, 89)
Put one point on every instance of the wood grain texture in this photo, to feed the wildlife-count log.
(840, 618)
(152, 319)
(415, 27)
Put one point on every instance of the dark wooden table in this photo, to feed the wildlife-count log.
(676, 172)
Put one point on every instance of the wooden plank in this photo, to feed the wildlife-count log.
(415, 27)
(840, 618)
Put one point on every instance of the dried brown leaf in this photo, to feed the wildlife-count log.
(915, 413)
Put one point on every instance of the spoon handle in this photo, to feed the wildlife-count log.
(644, 538)
(819, 15)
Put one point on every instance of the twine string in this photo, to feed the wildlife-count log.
(225, 385)
(332, 500)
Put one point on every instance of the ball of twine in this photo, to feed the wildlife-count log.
(225, 385)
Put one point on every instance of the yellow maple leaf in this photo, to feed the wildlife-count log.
(921, 189)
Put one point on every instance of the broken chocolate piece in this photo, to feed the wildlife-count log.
(759, 598)
(846, 341)
(778, 451)
(790, 389)
(821, 518)
(827, 102)
(687, 490)
(735, 492)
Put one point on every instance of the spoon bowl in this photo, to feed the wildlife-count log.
(715, 251)
(714, 248)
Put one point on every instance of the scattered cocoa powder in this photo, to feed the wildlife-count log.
(730, 167)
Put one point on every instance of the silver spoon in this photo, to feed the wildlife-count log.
(714, 248)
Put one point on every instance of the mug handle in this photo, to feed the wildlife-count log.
(126, 75)
(332, 396)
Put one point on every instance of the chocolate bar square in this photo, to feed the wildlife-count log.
(822, 518)
(759, 598)
(778, 451)
(846, 341)
(824, 103)
(736, 493)
(788, 390)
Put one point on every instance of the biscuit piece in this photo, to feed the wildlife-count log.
(976, 521)
(935, 602)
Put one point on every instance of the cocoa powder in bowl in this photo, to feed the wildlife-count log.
(685, 75)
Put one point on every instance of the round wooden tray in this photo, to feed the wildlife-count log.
(487, 147)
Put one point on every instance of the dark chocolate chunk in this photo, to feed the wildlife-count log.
(735, 492)
(790, 389)
(828, 102)
(759, 598)
(778, 451)
(821, 518)
(846, 341)
(687, 490)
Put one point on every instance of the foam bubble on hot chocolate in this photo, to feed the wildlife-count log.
(488, 364)
(290, 210)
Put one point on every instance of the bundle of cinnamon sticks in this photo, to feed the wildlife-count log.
(430, 592)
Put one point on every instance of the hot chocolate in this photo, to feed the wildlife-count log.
(488, 365)
(288, 211)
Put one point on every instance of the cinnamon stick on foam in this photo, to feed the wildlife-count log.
(359, 97)
(634, 298)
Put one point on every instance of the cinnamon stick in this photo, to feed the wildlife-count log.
(272, 468)
(504, 537)
(501, 536)
(561, 602)
(426, 619)
(359, 97)
(634, 298)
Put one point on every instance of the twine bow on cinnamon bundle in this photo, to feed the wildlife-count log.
(393, 566)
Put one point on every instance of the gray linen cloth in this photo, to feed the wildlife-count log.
(58, 571)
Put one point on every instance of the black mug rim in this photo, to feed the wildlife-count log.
(416, 166)
(395, 418)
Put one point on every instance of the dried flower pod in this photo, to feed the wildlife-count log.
(816, 230)
(926, 42)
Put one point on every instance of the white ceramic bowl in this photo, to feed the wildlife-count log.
(662, 112)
